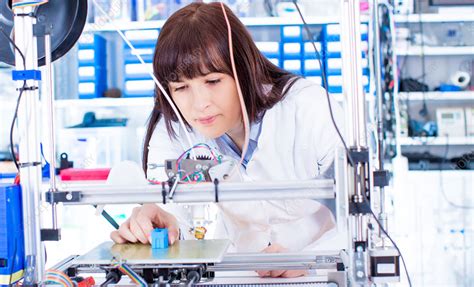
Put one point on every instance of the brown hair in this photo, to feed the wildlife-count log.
(194, 42)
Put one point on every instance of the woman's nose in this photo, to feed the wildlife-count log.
(202, 99)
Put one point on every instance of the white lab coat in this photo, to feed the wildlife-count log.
(297, 141)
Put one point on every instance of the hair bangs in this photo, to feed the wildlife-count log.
(194, 54)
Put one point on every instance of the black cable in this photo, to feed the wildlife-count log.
(269, 8)
(393, 242)
(14, 45)
(12, 126)
(109, 218)
(441, 182)
(112, 277)
(15, 115)
(347, 150)
(318, 56)
(216, 190)
(424, 110)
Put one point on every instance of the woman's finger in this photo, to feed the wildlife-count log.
(115, 236)
(124, 231)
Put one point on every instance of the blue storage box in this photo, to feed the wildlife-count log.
(92, 71)
(92, 50)
(269, 49)
(332, 32)
(334, 66)
(137, 71)
(335, 84)
(292, 50)
(292, 33)
(312, 67)
(146, 53)
(293, 66)
(142, 38)
(12, 250)
(139, 88)
(309, 52)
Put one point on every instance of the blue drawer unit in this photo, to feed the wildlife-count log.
(313, 62)
(92, 60)
(332, 32)
(291, 46)
(335, 83)
(137, 80)
(293, 65)
(333, 56)
(309, 53)
(292, 50)
(291, 33)
(334, 66)
(271, 50)
(11, 235)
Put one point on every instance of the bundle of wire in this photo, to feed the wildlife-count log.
(126, 270)
(194, 176)
(58, 277)
(21, 4)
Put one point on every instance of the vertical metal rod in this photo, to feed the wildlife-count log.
(378, 82)
(380, 115)
(48, 98)
(29, 149)
(352, 87)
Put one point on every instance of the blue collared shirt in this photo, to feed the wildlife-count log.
(228, 147)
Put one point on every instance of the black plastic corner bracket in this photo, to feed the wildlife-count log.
(359, 208)
(381, 178)
(359, 156)
(50, 234)
(63, 196)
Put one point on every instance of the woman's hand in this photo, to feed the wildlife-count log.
(277, 248)
(144, 219)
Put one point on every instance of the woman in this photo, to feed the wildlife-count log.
(291, 133)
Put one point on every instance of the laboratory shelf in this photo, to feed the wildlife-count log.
(248, 21)
(434, 18)
(105, 102)
(438, 96)
(435, 50)
(434, 141)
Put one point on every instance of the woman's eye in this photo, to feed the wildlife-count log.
(179, 88)
(213, 82)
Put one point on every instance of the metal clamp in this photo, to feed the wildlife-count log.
(28, 164)
(359, 156)
(381, 178)
(63, 196)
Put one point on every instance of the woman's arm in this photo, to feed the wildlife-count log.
(138, 227)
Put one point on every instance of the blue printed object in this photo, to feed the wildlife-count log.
(159, 238)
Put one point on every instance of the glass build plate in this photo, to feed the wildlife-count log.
(182, 252)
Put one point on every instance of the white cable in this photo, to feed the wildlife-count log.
(135, 52)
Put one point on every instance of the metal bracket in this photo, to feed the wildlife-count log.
(63, 196)
(359, 208)
(381, 178)
(40, 30)
(359, 156)
(50, 234)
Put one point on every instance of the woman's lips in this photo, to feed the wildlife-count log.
(207, 120)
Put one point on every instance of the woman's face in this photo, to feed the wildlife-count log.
(210, 104)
